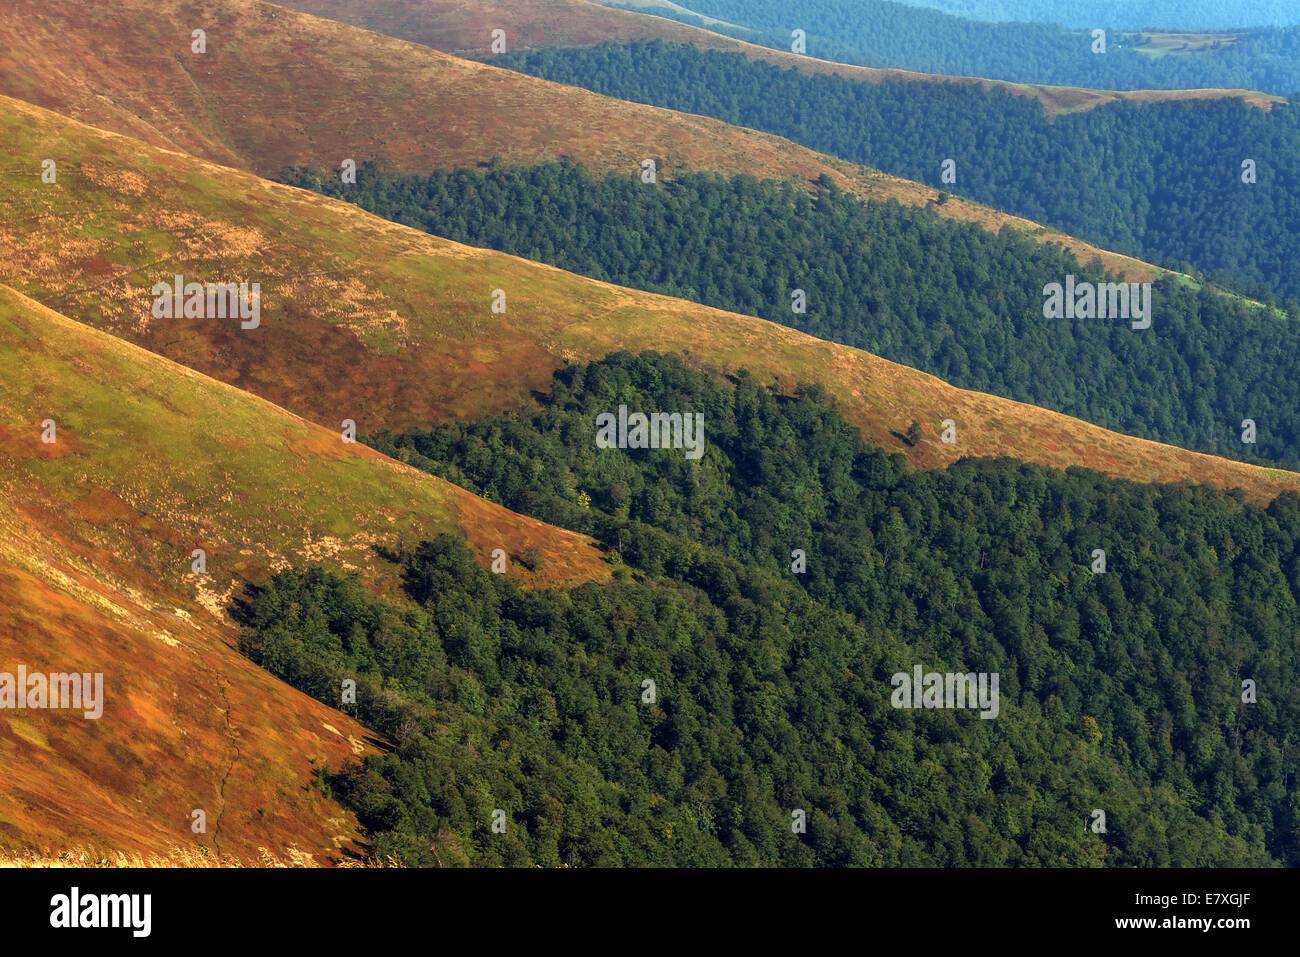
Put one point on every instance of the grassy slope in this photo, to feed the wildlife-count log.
(278, 88)
(151, 461)
(368, 320)
(464, 26)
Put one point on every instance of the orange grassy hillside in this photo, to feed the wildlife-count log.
(150, 461)
(345, 93)
(393, 328)
(275, 88)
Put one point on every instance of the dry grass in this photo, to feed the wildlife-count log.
(318, 355)
(94, 577)
(175, 857)
(361, 319)
(123, 67)
(1187, 42)
(465, 26)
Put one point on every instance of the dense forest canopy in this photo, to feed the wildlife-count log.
(1131, 15)
(880, 33)
(1121, 692)
(1159, 181)
(948, 298)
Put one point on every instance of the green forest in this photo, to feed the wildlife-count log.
(948, 298)
(880, 33)
(1135, 14)
(1159, 181)
(1121, 691)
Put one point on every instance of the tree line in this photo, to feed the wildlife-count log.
(880, 33)
(1121, 691)
(948, 298)
(1162, 181)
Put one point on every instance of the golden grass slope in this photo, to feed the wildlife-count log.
(391, 327)
(188, 723)
(151, 461)
(465, 27)
(178, 857)
(279, 88)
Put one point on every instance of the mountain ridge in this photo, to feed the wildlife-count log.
(98, 531)
(449, 112)
(405, 318)
(450, 26)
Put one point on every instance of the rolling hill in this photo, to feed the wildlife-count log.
(243, 104)
(457, 26)
(887, 34)
(151, 461)
(393, 328)
(186, 431)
